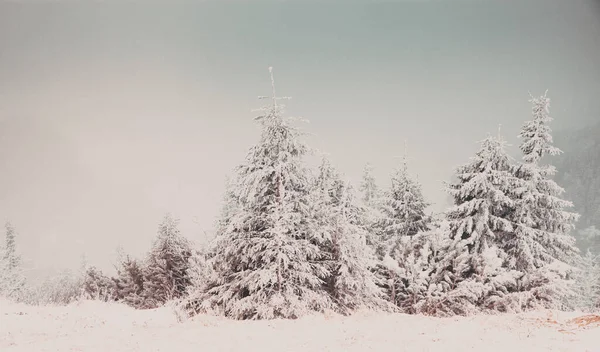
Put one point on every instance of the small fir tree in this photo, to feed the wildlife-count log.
(166, 272)
(351, 282)
(129, 283)
(12, 280)
(587, 287)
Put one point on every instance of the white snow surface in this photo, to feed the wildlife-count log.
(98, 326)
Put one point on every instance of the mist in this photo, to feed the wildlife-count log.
(112, 115)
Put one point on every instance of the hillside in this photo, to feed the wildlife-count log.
(579, 173)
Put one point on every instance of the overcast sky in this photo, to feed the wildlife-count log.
(112, 115)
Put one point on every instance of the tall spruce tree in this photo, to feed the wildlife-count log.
(166, 272)
(540, 242)
(587, 288)
(267, 261)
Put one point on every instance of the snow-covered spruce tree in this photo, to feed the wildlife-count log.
(420, 292)
(368, 186)
(12, 280)
(201, 271)
(166, 270)
(200, 274)
(370, 202)
(351, 283)
(540, 244)
(229, 205)
(98, 286)
(401, 216)
(587, 283)
(129, 283)
(471, 270)
(402, 209)
(267, 262)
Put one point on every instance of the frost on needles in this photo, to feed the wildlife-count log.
(268, 261)
(510, 247)
(12, 280)
(291, 241)
(340, 224)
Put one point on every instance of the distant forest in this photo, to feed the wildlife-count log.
(578, 172)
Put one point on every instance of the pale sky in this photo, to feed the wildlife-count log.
(113, 114)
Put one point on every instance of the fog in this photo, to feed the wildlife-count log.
(113, 114)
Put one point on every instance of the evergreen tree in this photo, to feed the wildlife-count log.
(267, 262)
(229, 205)
(481, 198)
(417, 291)
(540, 241)
(471, 270)
(166, 272)
(402, 210)
(587, 288)
(12, 280)
(370, 201)
(368, 187)
(401, 216)
(129, 284)
(98, 286)
(351, 283)
(12, 258)
(200, 274)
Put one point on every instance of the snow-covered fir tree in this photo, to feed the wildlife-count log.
(229, 204)
(351, 282)
(370, 201)
(417, 291)
(12, 258)
(368, 186)
(471, 270)
(267, 262)
(402, 208)
(540, 244)
(200, 274)
(166, 270)
(587, 287)
(129, 283)
(12, 280)
(401, 216)
(98, 286)
(481, 198)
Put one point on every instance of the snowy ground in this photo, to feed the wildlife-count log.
(95, 326)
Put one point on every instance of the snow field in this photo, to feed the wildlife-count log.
(97, 326)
